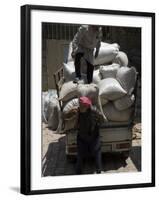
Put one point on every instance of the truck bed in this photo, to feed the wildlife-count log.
(115, 136)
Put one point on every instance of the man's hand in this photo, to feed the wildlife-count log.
(71, 113)
(96, 53)
(74, 111)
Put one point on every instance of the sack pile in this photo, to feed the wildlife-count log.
(50, 109)
(116, 93)
(111, 90)
(71, 119)
(113, 83)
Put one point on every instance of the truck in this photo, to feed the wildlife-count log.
(116, 137)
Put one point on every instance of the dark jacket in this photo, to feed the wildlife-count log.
(88, 123)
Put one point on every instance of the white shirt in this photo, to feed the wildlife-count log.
(85, 40)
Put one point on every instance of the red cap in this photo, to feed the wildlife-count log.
(85, 101)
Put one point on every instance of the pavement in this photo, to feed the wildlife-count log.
(56, 163)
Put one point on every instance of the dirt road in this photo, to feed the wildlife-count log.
(56, 163)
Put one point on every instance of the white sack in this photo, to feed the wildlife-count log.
(91, 91)
(71, 120)
(113, 114)
(69, 58)
(46, 98)
(109, 71)
(110, 89)
(69, 72)
(53, 114)
(121, 59)
(88, 90)
(68, 91)
(124, 102)
(104, 44)
(127, 78)
(45, 101)
(106, 55)
(72, 104)
(96, 76)
(50, 109)
(113, 48)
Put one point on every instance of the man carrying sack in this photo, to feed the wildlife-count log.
(88, 138)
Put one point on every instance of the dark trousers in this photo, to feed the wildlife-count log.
(87, 148)
(90, 68)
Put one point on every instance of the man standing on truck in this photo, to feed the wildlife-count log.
(85, 41)
(88, 138)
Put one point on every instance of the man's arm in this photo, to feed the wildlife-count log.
(77, 39)
(97, 114)
(99, 42)
(70, 114)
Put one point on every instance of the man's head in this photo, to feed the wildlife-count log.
(84, 103)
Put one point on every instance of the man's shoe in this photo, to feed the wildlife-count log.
(98, 171)
(76, 80)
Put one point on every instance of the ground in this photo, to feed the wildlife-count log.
(55, 162)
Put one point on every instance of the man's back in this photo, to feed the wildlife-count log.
(88, 123)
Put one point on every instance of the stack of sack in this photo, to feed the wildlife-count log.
(69, 94)
(112, 87)
(116, 91)
(50, 109)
